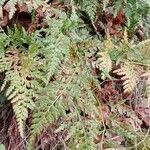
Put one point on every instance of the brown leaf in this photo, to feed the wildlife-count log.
(5, 19)
(120, 18)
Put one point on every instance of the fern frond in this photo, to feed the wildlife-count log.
(105, 3)
(104, 63)
(49, 108)
(21, 91)
(55, 53)
(125, 37)
(129, 75)
(79, 129)
(143, 47)
(69, 92)
(52, 103)
(108, 44)
(10, 6)
(23, 75)
(103, 60)
(90, 7)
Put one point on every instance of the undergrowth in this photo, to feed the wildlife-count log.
(63, 74)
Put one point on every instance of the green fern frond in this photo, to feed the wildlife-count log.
(49, 108)
(90, 7)
(55, 53)
(79, 129)
(69, 92)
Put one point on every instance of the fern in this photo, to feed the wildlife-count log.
(64, 94)
(22, 86)
(104, 63)
(134, 11)
(49, 108)
(21, 91)
(81, 99)
(10, 6)
(22, 80)
(52, 75)
(58, 47)
(105, 3)
(69, 92)
(103, 60)
(89, 7)
(79, 129)
(129, 75)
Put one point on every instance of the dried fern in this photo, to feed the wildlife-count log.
(104, 63)
(129, 75)
(103, 60)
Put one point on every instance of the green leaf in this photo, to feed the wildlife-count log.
(2, 147)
